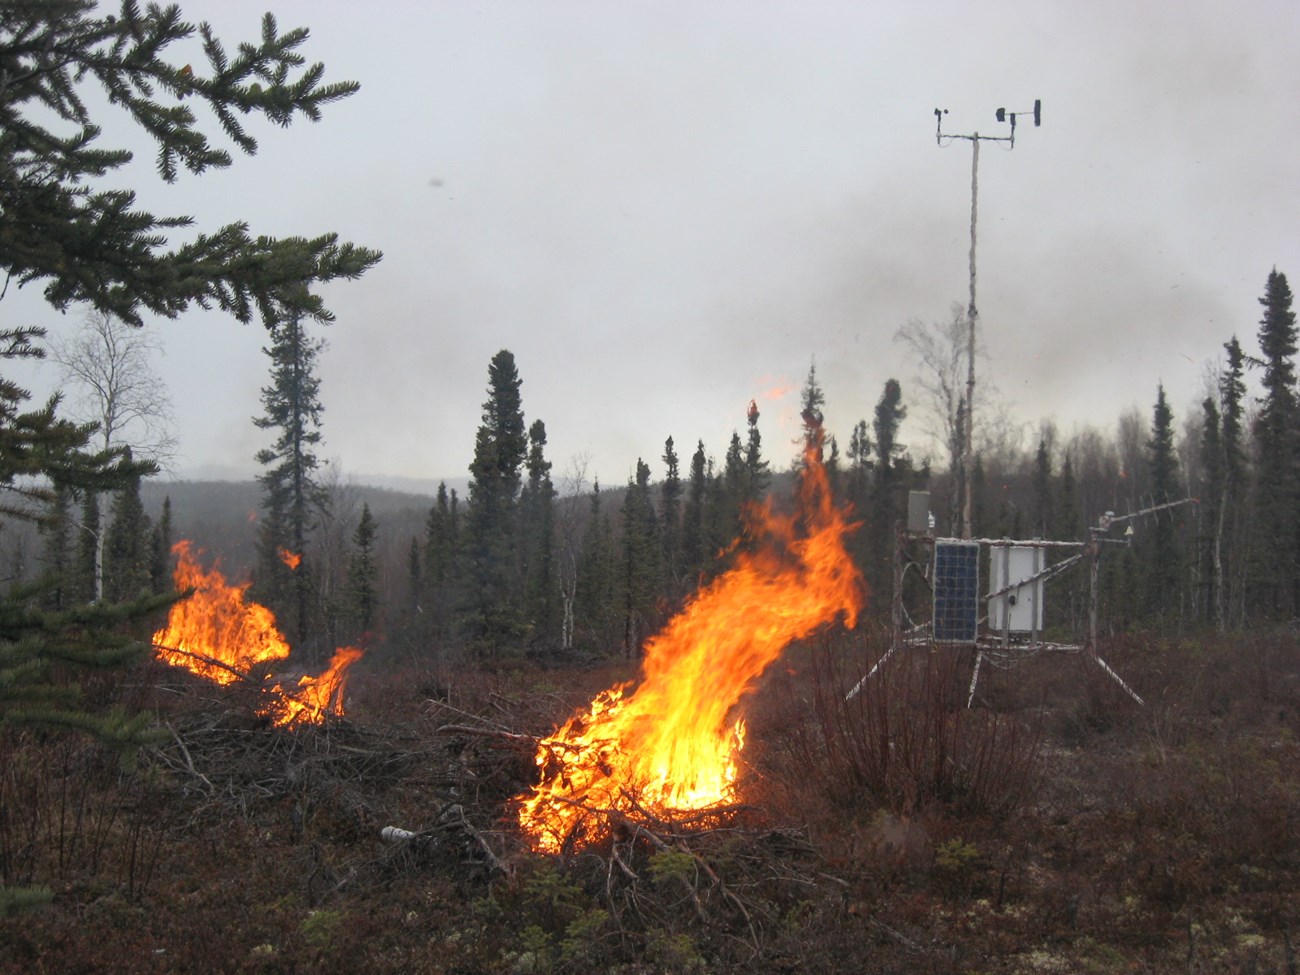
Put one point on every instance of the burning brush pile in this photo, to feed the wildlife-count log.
(669, 742)
(219, 634)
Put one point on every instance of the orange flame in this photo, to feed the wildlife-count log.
(291, 559)
(314, 698)
(216, 633)
(220, 635)
(672, 743)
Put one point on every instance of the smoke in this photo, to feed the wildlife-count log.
(658, 207)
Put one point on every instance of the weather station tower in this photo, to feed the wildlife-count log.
(972, 313)
(1007, 624)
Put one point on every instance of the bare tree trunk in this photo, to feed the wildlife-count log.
(568, 578)
(99, 554)
(1217, 552)
(568, 574)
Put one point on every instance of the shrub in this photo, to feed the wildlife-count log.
(906, 740)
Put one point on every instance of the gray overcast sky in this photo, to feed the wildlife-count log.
(665, 209)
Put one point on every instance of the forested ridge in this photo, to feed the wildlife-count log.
(519, 566)
(515, 565)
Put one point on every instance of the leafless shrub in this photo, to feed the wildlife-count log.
(906, 741)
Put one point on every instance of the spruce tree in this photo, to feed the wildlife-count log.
(696, 549)
(127, 552)
(811, 401)
(834, 476)
(1043, 525)
(758, 473)
(537, 537)
(160, 545)
(595, 600)
(292, 496)
(1229, 534)
(858, 494)
(363, 574)
(58, 550)
(414, 591)
(1069, 527)
(734, 494)
(886, 505)
(1163, 556)
(859, 465)
(670, 515)
(639, 570)
(719, 520)
(890, 413)
(1069, 514)
(1276, 489)
(493, 610)
(440, 567)
(1277, 343)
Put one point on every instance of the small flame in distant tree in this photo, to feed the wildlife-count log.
(219, 634)
(291, 559)
(671, 744)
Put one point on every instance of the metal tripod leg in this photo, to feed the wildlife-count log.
(1117, 678)
(975, 678)
(856, 689)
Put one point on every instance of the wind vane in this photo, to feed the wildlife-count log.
(972, 315)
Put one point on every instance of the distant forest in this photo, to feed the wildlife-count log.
(517, 568)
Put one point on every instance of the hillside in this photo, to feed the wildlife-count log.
(220, 517)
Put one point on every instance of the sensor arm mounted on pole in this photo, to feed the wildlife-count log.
(1110, 518)
(972, 314)
(1002, 115)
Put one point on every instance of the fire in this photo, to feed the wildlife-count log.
(314, 697)
(672, 743)
(219, 634)
(291, 559)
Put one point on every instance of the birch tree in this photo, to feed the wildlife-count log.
(108, 368)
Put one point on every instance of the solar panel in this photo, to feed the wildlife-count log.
(956, 591)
